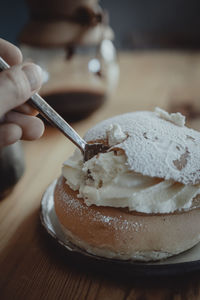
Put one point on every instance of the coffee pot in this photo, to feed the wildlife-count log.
(72, 42)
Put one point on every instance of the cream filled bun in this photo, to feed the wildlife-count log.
(140, 200)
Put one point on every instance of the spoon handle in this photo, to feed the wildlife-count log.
(52, 116)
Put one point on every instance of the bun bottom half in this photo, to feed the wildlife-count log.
(120, 234)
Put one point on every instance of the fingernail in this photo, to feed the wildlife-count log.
(34, 75)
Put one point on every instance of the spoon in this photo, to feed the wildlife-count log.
(88, 150)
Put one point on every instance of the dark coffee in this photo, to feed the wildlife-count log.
(75, 105)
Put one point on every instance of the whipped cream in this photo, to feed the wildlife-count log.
(106, 180)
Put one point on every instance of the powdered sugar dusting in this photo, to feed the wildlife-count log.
(156, 147)
(105, 252)
(76, 207)
(115, 135)
(176, 118)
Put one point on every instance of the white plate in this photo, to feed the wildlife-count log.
(186, 262)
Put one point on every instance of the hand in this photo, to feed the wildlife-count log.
(17, 85)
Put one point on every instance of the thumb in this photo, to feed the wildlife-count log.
(18, 84)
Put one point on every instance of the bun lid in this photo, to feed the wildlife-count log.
(157, 144)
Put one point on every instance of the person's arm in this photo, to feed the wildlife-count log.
(17, 84)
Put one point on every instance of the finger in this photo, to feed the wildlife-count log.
(10, 53)
(32, 127)
(9, 134)
(26, 109)
(18, 84)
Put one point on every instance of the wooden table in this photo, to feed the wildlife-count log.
(32, 265)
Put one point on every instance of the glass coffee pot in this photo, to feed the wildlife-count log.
(72, 42)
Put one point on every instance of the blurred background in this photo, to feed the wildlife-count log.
(136, 23)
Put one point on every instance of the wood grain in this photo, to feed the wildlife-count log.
(32, 265)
